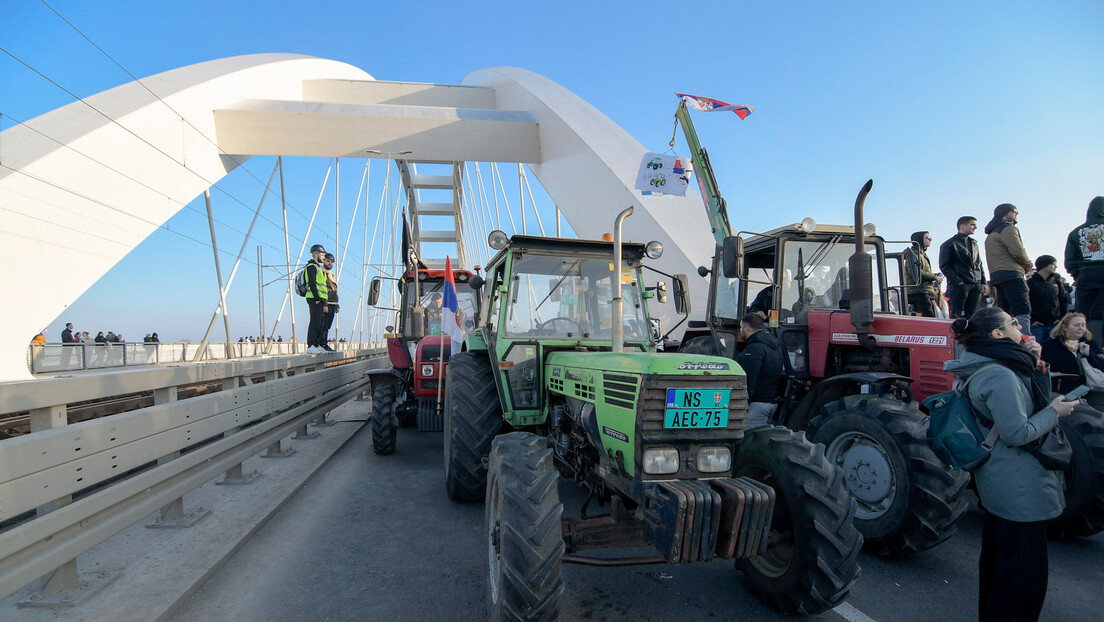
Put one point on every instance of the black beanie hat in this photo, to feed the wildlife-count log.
(1003, 209)
(1044, 261)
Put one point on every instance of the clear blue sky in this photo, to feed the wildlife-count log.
(951, 107)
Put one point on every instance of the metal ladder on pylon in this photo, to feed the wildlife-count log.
(439, 213)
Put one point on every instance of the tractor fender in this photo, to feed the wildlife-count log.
(837, 387)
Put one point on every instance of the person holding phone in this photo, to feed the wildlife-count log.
(1070, 342)
(1018, 495)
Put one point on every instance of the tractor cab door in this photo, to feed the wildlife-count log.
(895, 277)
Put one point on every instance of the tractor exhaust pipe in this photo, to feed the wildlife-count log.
(617, 331)
(861, 276)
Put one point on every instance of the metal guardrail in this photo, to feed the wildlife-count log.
(61, 490)
(60, 357)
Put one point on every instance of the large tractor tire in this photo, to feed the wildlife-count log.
(522, 529)
(473, 417)
(701, 345)
(908, 500)
(383, 432)
(812, 555)
(1084, 481)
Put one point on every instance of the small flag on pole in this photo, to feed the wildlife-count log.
(707, 104)
(450, 307)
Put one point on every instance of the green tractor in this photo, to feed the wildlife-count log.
(561, 378)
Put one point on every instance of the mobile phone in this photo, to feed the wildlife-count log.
(1077, 393)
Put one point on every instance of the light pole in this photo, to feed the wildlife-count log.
(390, 155)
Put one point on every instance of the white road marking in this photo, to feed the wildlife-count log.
(851, 614)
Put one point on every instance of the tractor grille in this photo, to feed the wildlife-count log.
(556, 384)
(620, 390)
(654, 402)
(584, 391)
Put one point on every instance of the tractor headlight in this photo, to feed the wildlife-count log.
(497, 240)
(661, 461)
(654, 249)
(714, 459)
(427, 370)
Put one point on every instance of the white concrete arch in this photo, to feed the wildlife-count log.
(86, 202)
(79, 207)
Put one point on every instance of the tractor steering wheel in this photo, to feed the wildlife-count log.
(549, 324)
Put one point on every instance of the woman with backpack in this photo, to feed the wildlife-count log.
(1018, 495)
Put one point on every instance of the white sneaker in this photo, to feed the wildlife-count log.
(313, 350)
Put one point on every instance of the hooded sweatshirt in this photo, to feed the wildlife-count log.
(1085, 247)
(1004, 250)
(919, 278)
(1012, 484)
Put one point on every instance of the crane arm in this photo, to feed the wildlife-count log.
(715, 206)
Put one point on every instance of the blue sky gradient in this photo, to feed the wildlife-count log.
(952, 108)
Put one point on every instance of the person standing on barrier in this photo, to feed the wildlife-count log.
(1009, 263)
(1049, 301)
(761, 361)
(1018, 494)
(331, 296)
(920, 282)
(317, 299)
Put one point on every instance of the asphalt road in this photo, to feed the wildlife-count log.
(374, 538)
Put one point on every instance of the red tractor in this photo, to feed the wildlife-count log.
(410, 392)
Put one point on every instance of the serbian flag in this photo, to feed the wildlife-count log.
(715, 105)
(450, 308)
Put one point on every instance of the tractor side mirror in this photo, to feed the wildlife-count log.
(374, 292)
(553, 291)
(732, 257)
(661, 292)
(389, 328)
(475, 282)
(682, 294)
(417, 322)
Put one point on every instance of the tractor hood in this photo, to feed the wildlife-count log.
(646, 363)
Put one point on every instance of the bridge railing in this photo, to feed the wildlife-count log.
(61, 357)
(66, 487)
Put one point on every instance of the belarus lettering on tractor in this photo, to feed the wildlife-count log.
(410, 391)
(561, 378)
(854, 366)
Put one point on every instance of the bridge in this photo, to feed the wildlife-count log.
(86, 183)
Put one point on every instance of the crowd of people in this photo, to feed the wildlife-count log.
(1027, 349)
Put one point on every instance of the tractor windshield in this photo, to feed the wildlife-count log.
(820, 275)
(571, 297)
(431, 295)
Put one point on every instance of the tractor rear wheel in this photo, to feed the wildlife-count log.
(812, 553)
(473, 417)
(1084, 481)
(383, 432)
(908, 500)
(522, 530)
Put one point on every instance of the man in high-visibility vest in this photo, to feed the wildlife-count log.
(317, 300)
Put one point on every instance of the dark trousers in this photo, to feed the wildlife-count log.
(1012, 571)
(315, 331)
(1012, 297)
(922, 304)
(328, 322)
(964, 299)
(1088, 297)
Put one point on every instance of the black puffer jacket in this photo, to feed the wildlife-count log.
(1085, 247)
(1048, 298)
(762, 362)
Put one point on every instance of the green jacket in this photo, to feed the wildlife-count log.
(919, 278)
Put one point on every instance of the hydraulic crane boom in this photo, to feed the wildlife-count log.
(707, 182)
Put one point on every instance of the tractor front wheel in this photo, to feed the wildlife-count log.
(813, 548)
(383, 432)
(1084, 481)
(908, 500)
(522, 530)
(473, 417)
